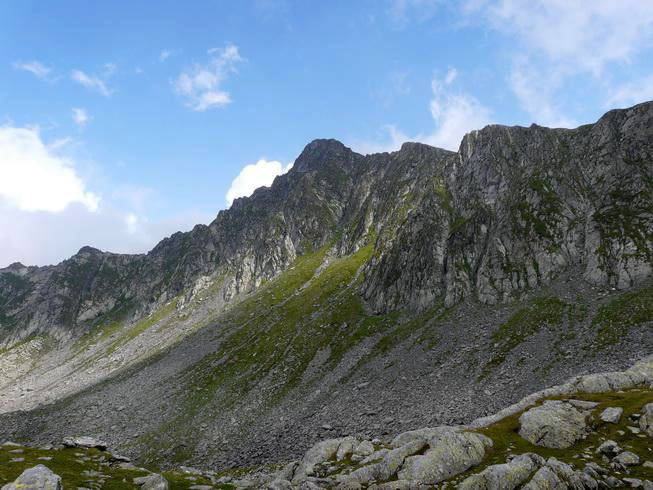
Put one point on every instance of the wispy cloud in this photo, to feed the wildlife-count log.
(584, 35)
(402, 12)
(557, 41)
(454, 113)
(535, 91)
(36, 68)
(80, 116)
(631, 92)
(202, 84)
(165, 54)
(91, 82)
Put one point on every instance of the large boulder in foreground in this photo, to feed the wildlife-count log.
(554, 424)
(38, 478)
(451, 451)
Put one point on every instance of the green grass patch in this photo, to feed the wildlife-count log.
(70, 464)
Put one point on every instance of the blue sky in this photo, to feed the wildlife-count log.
(122, 122)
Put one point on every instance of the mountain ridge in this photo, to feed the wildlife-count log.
(420, 286)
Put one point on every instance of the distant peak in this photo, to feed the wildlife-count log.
(86, 250)
(16, 266)
(317, 151)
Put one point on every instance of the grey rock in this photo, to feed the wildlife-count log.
(450, 452)
(85, 442)
(627, 458)
(152, 482)
(609, 448)
(611, 415)
(279, 484)
(505, 476)
(364, 449)
(321, 452)
(38, 478)
(633, 482)
(558, 475)
(554, 424)
(386, 467)
(646, 419)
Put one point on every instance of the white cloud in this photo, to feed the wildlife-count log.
(201, 85)
(536, 94)
(35, 177)
(131, 220)
(632, 92)
(91, 82)
(253, 176)
(80, 116)
(584, 35)
(60, 235)
(36, 68)
(455, 113)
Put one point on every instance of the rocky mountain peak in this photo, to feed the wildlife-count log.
(321, 152)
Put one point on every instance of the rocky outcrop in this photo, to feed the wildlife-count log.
(38, 478)
(556, 424)
(504, 476)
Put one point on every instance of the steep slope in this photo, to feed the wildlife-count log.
(357, 292)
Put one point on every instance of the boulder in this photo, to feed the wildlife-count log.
(321, 452)
(38, 478)
(646, 420)
(558, 475)
(384, 469)
(626, 459)
(505, 476)
(279, 484)
(554, 424)
(152, 482)
(346, 448)
(450, 452)
(364, 449)
(85, 442)
(609, 448)
(612, 415)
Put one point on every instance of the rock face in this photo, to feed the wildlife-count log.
(554, 424)
(513, 208)
(38, 478)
